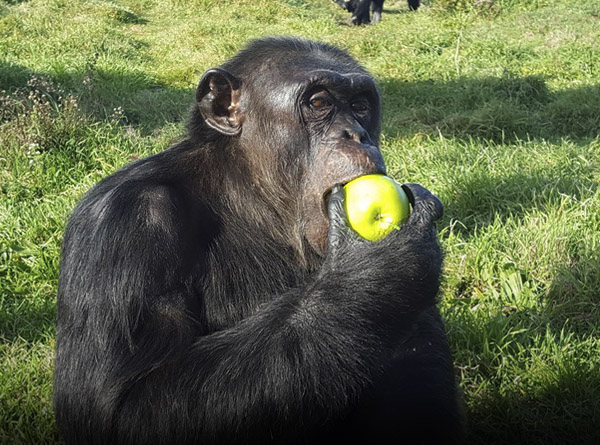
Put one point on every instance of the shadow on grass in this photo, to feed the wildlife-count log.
(560, 407)
(531, 372)
(13, 76)
(491, 109)
(13, 2)
(573, 297)
(475, 199)
(402, 9)
(492, 112)
(32, 321)
(498, 109)
(558, 414)
(144, 103)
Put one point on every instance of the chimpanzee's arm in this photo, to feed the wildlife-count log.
(300, 359)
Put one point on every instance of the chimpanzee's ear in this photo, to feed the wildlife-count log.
(218, 98)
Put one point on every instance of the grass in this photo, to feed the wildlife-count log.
(496, 109)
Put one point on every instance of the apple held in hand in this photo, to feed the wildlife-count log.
(375, 205)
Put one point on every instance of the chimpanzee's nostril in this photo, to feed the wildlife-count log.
(355, 136)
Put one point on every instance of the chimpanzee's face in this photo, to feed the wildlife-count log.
(305, 123)
(341, 114)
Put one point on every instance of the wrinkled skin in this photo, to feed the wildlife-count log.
(213, 293)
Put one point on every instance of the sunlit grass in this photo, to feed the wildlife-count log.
(496, 110)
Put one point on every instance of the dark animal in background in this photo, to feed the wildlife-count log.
(361, 9)
(214, 294)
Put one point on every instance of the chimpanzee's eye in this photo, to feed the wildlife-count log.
(320, 102)
(360, 106)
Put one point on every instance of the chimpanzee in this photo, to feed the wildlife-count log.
(213, 293)
(360, 9)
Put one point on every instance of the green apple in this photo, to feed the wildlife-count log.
(375, 205)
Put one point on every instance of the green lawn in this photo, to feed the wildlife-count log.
(495, 109)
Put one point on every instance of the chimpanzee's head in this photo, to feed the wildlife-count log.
(304, 115)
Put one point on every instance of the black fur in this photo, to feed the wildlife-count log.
(361, 9)
(194, 308)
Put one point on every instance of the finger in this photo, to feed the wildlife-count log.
(427, 208)
(337, 219)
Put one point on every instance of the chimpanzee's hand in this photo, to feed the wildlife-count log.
(405, 266)
(339, 231)
(426, 210)
(416, 237)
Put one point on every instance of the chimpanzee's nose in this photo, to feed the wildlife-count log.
(357, 134)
